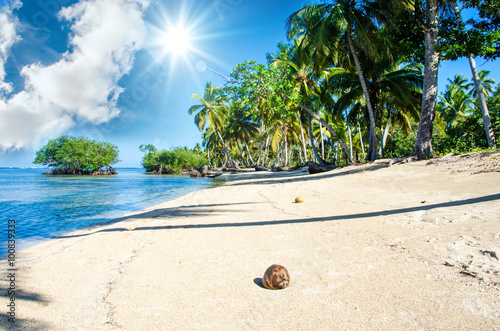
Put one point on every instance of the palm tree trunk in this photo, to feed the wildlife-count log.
(423, 146)
(490, 136)
(329, 128)
(286, 146)
(208, 154)
(383, 138)
(361, 139)
(322, 138)
(303, 139)
(249, 154)
(350, 134)
(371, 114)
(488, 129)
(226, 151)
(265, 151)
(311, 138)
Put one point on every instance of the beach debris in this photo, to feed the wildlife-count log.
(315, 168)
(299, 200)
(276, 277)
(259, 168)
(204, 171)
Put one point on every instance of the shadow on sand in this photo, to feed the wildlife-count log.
(201, 210)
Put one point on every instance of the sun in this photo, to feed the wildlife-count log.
(177, 40)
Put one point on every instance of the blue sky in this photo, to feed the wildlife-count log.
(99, 68)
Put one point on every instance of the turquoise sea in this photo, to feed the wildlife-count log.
(45, 206)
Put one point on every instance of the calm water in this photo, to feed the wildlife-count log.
(45, 206)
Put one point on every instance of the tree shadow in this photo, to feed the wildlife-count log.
(25, 295)
(22, 324)
(300, 175)
(193, 210)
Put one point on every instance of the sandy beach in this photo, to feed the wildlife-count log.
(413, 246)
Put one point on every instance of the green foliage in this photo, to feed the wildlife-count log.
(494, 108)
(80, 153)
(174, 160)
(399, 145)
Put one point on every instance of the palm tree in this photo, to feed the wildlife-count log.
(454, 106)
(213, 109)
(305, 77)
(486, 83)
(338, 25)
(479, 86)
(240, 126)
(393, 89)
(461, 82)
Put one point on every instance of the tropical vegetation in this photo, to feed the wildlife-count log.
(171, 161)
(78, 156)
(358, 81)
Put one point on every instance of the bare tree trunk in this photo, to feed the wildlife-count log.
(371, 114)
(423, 146)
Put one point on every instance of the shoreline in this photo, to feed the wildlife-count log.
(36, 225)
(372, 246)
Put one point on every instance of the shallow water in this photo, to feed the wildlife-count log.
(44, 206)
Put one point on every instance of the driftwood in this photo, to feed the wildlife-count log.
(395, 161)
(204, 171)
(315, 168)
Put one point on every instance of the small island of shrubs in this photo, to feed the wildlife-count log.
(78, 156)
(174, 161)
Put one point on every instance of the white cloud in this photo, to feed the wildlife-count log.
(83, 86)
(8, 37)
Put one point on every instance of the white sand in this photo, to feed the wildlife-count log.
(412, 246)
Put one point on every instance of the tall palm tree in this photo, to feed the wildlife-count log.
(213, 110)
(330, 26)
(393, 89)
(479, 88)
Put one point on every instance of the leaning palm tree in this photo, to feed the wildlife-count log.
(480, 82)
(330, 27)
(212, 110)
